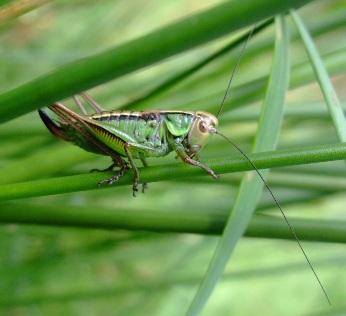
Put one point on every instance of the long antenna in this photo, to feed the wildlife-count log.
(235, 68)
(291, 228)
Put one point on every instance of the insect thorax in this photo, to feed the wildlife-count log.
(149, 133)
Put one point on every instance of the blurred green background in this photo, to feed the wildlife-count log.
(55, 270)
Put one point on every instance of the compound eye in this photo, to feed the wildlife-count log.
(202, 126)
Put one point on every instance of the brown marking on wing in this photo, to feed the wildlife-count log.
(84, 125)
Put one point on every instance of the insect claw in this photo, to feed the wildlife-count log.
(115, 178)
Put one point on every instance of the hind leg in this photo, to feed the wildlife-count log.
(120, 173)
(134, 168)
(89, 100)
(117, 162)
(92, 102)
(80, 105)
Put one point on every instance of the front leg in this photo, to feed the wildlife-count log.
(120, 173)
(180, 150)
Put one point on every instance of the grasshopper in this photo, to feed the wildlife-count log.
(138, 135)
(133, 135)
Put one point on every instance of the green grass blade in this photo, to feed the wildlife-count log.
(50, 162)
(180, 221)
(329, 93)
(179, 77)
(251, 91)
(108, 253)
(14, 9)
(146, 50)
(251, 186)
(153, 285)
(88, 181)
(321, 182)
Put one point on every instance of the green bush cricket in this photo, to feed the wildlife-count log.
(134, 135)
(139, 135)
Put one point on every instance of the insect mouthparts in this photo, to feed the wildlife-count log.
(213, 130)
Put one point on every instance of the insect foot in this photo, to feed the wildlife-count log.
(115, 178)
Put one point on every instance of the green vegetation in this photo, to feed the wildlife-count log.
(67, 246)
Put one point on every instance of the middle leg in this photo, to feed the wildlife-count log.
(134, 168)
(145, 164)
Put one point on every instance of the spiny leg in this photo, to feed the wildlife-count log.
(120, 173)
(92, 102)
(134, 168)
(145, 164)
(78, 123)
(119, 162)
(187, 159)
